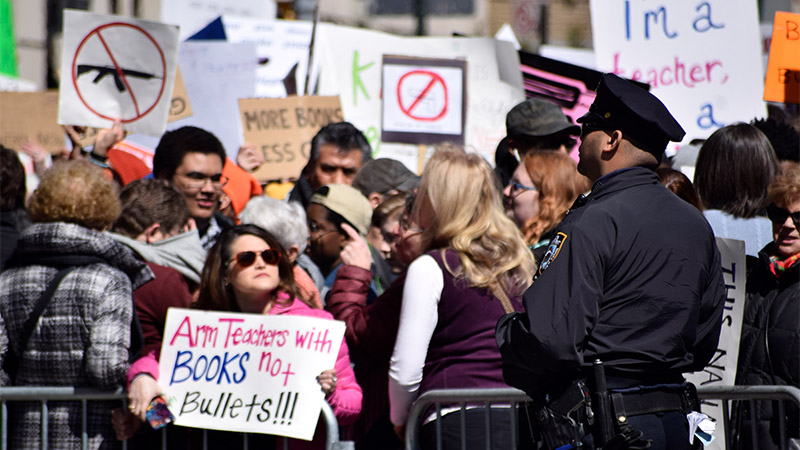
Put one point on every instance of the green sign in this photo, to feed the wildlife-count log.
(8, 48)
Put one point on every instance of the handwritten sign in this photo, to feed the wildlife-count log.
(30, 116)
(282, 128)
(117, 67)
(247, 372)
(722, 368)
(423, 101)
(700, 58)
(783, 70)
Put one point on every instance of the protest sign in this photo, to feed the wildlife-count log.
(423, 100)
(282, 129)
(281, 47)
(247, 372)
(216, 74)
(783, 70)
(700, 58)
(721, 371)
(30, 116)
(349, 60)
(117, 67)
(8, 46)
(193, 15)
(179, 107)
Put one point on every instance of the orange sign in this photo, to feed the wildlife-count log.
(783, 71)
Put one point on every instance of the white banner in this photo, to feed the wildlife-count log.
(721, 370)
(193, 15)
(247, 372)
(117, 67)
(701, 59)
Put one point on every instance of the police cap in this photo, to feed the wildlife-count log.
(642, 118)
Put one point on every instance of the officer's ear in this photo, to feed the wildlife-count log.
(613, 141)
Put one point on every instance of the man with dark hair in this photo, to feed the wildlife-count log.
(13, 218)
(338, 151)
(191, 160)
(628, 297)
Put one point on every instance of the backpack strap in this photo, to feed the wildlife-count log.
(11, 361)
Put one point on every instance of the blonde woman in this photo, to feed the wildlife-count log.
(475, 268)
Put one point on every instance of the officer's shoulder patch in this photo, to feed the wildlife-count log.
(552, 251)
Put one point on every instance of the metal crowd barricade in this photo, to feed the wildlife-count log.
(487, 397)
(45, 394)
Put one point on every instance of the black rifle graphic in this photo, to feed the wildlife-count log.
(102, 71)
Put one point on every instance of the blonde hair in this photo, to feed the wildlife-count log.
(469, 219)
(785, 188)
(555, 175)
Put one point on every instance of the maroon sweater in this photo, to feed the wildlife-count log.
(169, 288)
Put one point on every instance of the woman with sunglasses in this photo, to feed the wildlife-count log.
(541, 191)
(247, 270)
(768, 353)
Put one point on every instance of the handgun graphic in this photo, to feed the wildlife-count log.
(102, 71)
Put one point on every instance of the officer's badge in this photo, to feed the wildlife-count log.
(552, 251)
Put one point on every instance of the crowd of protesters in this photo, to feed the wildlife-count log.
(420, 269)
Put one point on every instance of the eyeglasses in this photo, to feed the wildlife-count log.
(247, 259)
(521, 187)
(778, 215)
(196, 180)
(405, 227)
(313, 228)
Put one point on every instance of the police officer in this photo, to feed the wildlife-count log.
(632, 278)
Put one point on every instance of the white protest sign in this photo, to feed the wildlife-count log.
(117, 67)
(282, 50)
(350, 61)
(701, 59)
(216, 75)
(247, 372)
(721, 370)
(193, 15)
(423, 100)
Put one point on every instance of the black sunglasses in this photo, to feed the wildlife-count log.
(778, 215)
(246, 259)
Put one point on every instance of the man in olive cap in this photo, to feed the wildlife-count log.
(629, 295)
(533, 125)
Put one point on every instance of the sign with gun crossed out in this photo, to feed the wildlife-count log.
(117, 67)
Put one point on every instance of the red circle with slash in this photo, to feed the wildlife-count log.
(119, 72)
(435, 79)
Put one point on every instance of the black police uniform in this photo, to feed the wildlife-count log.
(632, 277)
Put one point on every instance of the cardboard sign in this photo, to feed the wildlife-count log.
(721, 371)
(283, 128)
(30, 116)
(701, 59)
(423, 101)
(117, 67)
(349, 61)
(8, 46)
(179, 107)
(783, 70)
(247, 372)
